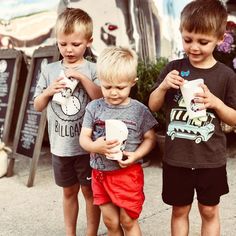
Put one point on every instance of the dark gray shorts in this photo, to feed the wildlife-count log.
(71, 170)
(180, 184)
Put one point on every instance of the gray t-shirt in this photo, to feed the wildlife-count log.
(64, 122)
(135, 115)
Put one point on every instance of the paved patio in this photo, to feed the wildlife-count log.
(38, 210)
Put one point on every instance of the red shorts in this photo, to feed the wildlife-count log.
(123, 187)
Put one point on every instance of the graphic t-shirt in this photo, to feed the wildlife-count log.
(198, 142)
(135, 115)
(64, 122)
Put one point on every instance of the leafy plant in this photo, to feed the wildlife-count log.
(147, 74)
(226, 51)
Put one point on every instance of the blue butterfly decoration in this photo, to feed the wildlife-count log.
(185, 73)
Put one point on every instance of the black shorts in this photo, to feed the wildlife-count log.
(180, 183)
(71, 170)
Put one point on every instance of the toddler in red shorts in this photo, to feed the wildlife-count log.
(118, 184)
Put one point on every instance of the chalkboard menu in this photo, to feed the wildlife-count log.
(31, 119)
(10, 67)
(31, 124)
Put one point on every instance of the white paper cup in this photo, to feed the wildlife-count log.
(116, 129)
(71, 84)
(59, 99)
(188, 90)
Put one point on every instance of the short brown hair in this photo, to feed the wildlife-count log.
(74, 19)
(204, 17)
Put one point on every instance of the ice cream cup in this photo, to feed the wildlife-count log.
(116, 130)
(188, 90)
(71, 84)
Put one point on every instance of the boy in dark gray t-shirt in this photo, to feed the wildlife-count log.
(118, 184)
(195, 157)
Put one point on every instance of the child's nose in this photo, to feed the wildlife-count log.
(68, 48)
(194, 46)
(113, 92)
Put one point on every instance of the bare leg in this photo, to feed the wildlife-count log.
(111, 218)
(180, 220)
(92, 212)
(71, 208)
(130, 226)
(210, 220)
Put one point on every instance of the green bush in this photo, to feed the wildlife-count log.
(147, 74)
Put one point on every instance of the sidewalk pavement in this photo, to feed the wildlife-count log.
(38, 210)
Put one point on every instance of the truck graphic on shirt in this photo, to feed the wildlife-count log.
(198, 129)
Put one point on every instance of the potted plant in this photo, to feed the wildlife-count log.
(226, 53)
(147, 76)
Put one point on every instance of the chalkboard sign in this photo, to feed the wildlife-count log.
(10, 69)
(31, 124)
(31, 119)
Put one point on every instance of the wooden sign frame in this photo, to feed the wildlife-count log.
(31, 124)
(9, 84)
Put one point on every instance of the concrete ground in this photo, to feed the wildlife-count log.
(38, 210)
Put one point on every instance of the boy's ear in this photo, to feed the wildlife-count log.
(90, 42)
(135, 81)
(221, 39)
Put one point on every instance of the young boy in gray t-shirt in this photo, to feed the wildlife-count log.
(118, 184)
(70, 162)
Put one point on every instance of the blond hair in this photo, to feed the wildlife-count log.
(117, 63)
(74, 20)
(204, 17)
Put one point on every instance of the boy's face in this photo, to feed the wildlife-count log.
(72, 46)
(199, 48)
(116, 93)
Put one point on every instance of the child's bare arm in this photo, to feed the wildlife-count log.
(149, 142)
(172, 80)
(100, 145)
(93, 90)
(225, 113)
(41, 101)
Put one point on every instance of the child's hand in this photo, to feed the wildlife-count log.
(172, 80)
(105, 147)
(55, 87)
(206, 98)
(129, 160)
(74, 74)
